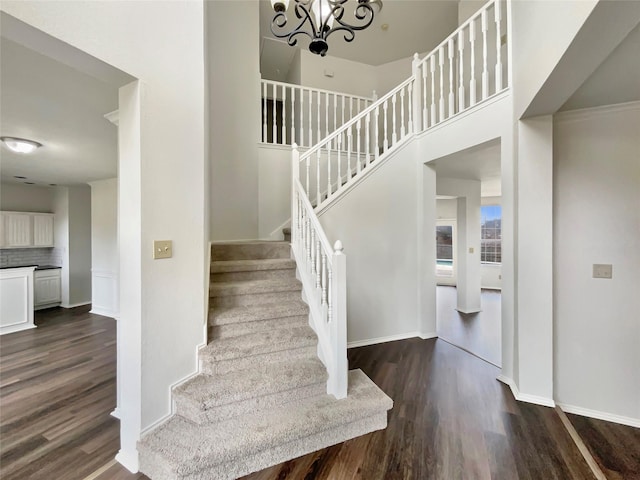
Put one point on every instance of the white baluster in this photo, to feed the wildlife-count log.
(434, 118)
(307, 191)
(472, 81)
(339, 173)
(410, 89)
(425, 108)
(498, 17)
(349, 149)
(385, 144)
(318, 264)
(329, 296)
(264, 113)
(441, 66)
(394, 137)
(329, 170)
(358, 168)
(452, 96)
(310, 119)
(335, 113)
(312, 248)
(485, 71)
(293, 115)
(350, 108)
(376, 125)
(326, 114)
(284, 115)
(308, 240)
(402, 129)
(318, 138)
(274, 127)
(461, 72)
(343, 140)
(324, 279)
(367, 126)
(318, 192)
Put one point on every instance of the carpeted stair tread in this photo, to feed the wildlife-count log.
(253, 313)
(250, 250)
(205, 392)
(247, 287)
(259, 343)
(226, 266)
(185, 448)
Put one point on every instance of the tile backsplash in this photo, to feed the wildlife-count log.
(13, 257)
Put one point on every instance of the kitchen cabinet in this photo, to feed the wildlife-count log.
(47, 291)
(16, 299)
(26, 230)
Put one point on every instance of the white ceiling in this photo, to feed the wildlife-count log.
(413, 26)
(481, 162)
(616, 80)
(52, 103)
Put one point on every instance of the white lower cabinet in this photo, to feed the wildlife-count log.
(47, 291)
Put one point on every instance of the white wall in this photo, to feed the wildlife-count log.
(79, 245)
(597, 220)
(390, 75)
(104, 247)
(348, 76)
(162, 158)
(381, 249)
(61, 238)
(234, 116)
(26, 198)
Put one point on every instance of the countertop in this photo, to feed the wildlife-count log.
(38, 267)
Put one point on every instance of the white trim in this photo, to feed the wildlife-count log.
(278, 231)
(609, 417)
(467, 312)
(389, 338)
(74, 305)
(128, 460)
(103, 312)
(584, 113)
(427, 336)
(525, 397)
(17, 328)
(113, 117)
(116, 413)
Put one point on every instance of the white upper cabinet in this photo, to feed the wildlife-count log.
(43, 230)
(26, 230)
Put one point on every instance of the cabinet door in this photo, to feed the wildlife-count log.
(43, 230)
(47, 290)
(17, 229)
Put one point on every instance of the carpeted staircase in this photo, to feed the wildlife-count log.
(260, 398)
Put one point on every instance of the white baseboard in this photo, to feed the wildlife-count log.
(116, 413)
(129, 460)
(609, 417)
(427, 336)
(104, 312)
(390, 338)
(525, 397)
(74, 305)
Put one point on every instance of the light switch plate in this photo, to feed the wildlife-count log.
(162, 249)
(602, 270)
(471, 250)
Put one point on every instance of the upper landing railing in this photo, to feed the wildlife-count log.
(466, 69)
(302, 115)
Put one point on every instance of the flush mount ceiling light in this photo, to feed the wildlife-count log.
(20, 145)
(318, 19)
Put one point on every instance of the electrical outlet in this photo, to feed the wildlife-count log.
(162, 249)
(602, 270)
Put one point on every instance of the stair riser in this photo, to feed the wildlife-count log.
(155, 467)
(190, 411)
(209, 366)
(283, 274)
(255, 299)
(236, 329)
(250, 251)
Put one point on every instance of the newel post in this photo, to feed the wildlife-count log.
(417, 93)
(295, 175)
(339, 382)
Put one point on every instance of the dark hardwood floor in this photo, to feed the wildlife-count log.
(451, 418)
(57, 389)
(479, 333)
(616, 448)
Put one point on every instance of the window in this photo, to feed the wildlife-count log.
(491, 234)
(444, 250)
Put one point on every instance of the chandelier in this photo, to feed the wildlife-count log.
(318, 19)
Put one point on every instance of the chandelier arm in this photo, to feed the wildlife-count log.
(363, 10)
(280, 21)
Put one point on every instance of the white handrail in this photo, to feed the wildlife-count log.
(322, 270)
